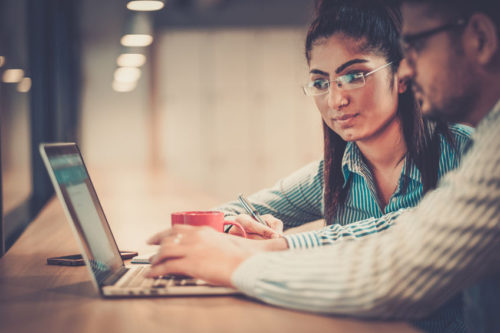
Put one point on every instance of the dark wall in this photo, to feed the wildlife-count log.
(53, 63)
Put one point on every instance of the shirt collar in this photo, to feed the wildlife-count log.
(414, 174)
(352, 161)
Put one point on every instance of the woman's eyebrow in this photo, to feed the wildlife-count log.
(340, 68)
(317, 71)
(349, 63)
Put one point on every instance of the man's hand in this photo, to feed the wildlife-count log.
(202, 252)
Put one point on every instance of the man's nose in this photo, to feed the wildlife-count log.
(406, 69)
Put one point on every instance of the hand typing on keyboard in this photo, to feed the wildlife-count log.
(138, 279)
(200, 252)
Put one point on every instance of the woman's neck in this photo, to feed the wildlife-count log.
(386, 148)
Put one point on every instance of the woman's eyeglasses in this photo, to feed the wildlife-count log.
(345, 82)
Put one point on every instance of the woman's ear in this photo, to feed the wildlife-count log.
(402, 85)
(403, 75)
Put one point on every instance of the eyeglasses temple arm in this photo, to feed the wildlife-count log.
(377, 69)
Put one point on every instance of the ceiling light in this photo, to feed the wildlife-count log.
(123, 86)
(12, 75)
(145, 5)
(136, 40)
(24, 85)
(138, 32)
(131, 60)
(127, 74)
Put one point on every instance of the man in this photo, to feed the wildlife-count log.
(447, 245)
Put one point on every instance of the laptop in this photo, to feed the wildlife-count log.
(83, 210)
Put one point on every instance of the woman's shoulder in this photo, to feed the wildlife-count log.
(454, 145)
(313, 169)
(308, 172)
(459, 137)
(460, 130)
(309, 176)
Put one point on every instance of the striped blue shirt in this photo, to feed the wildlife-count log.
(298, 198)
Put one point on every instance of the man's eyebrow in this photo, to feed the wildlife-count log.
(349, 63)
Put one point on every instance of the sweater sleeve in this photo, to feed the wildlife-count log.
(335, 232)
(447, 243)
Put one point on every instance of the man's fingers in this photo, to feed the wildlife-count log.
(157, 238)
(174, 245)
(167, 253)
(171, 266)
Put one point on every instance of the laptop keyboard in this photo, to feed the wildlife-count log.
(136, 279)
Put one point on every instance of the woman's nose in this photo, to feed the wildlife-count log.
(336, 97)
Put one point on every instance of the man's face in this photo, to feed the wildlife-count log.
(436, 64)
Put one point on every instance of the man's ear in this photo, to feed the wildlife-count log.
(481, 38)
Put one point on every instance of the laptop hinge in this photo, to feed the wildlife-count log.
(111, 280)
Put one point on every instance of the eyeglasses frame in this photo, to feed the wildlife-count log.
(337, 79)
(408, 41)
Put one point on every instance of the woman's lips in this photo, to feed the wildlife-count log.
(345, 119)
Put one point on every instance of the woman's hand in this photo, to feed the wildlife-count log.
(256, 230)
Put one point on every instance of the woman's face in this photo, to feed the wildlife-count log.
(361, 113)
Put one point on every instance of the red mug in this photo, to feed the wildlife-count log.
(177, 218)
(213, 219)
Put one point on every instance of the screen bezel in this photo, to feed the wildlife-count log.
(57, 149)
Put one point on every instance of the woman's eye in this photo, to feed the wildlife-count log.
(352, 77)
(321, 84)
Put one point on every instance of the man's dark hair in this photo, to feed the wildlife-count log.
(462, 8)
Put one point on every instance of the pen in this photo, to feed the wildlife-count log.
(251, 210)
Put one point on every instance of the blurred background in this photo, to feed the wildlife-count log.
(174, 94)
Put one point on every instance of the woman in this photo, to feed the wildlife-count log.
(380, 156)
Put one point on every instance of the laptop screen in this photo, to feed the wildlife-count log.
(83, 206)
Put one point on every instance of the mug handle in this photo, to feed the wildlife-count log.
(237, 225)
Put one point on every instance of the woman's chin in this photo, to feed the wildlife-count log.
(349, 135)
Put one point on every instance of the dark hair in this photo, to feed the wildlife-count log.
(462, 8)
(377, 26)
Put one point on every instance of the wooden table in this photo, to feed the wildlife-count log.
(35, 297)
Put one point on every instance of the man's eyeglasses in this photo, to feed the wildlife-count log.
(411, 42)
(345, 82)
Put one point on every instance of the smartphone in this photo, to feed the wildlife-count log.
(77, 260)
